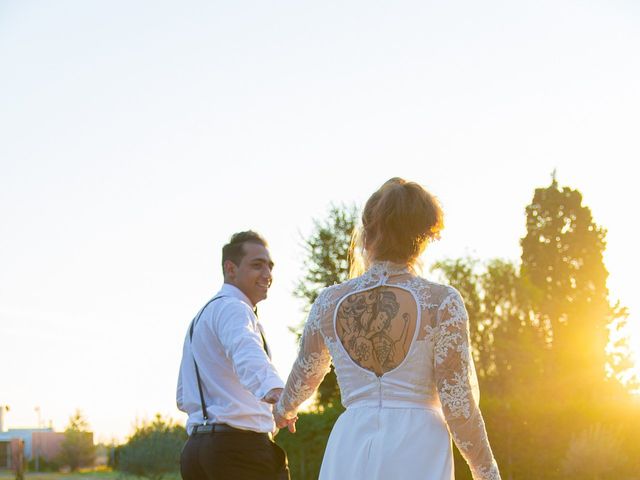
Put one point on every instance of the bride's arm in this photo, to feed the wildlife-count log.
(457, 386)
(308, 370)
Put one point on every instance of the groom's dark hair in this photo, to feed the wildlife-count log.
(234, 250)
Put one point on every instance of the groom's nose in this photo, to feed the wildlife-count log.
(266, 274)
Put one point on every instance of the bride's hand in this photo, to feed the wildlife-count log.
(282, 422)
(291, 424)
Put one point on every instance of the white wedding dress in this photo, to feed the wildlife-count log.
(399, 419)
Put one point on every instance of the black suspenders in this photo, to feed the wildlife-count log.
(193, 323)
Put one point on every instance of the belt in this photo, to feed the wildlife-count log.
(222, 427)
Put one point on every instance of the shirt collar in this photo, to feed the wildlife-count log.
(233, 291)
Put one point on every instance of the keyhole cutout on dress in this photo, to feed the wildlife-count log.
(376, 327)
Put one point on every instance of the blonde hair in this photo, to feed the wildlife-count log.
(398, 221)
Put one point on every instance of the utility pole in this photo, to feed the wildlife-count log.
(36, 447)
(37, 409)
(3, 410)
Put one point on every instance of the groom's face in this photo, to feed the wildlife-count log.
(253, 274)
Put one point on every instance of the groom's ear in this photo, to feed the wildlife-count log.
(230, 269)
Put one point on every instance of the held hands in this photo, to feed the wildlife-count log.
(272, 397)
(282, 422)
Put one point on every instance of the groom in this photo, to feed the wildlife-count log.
(227, 381)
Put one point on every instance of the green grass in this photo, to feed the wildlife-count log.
(78, 476)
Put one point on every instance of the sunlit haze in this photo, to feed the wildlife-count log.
(136, 137)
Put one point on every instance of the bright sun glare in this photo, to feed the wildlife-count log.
(632, 333)
(634, 343)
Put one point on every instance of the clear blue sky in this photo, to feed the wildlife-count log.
(135, 137)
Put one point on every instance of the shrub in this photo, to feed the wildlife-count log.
(44, 465)
(77, 449)
(153, 450)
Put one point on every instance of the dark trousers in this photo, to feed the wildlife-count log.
(233, 455)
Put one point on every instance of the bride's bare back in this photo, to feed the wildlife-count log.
(376, 327)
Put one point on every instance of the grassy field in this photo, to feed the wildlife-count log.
(77, 476)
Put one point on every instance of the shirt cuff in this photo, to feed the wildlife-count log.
(268, 385)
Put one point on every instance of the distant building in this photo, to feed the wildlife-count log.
(38, 442)
(32, 443)
(41, 438)
(47, 444)
(11, 453)
(42, 442)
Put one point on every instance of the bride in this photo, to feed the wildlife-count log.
(400, 347)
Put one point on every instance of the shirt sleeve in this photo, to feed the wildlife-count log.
(179, 389)
(457, 386)
(311, 366)
(240, 337)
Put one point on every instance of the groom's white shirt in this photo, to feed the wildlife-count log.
(235, 370)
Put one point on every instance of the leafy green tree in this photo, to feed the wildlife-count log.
(326, 260)
(515, 343)
(327, 263)
(562, 258)
(621, 359)
(77, 449)
(153, 450)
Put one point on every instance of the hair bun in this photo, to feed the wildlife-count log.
(398, 220)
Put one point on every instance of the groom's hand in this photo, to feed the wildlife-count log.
(272, 395)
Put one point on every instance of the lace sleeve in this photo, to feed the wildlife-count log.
(309, 368)
(458, 389)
